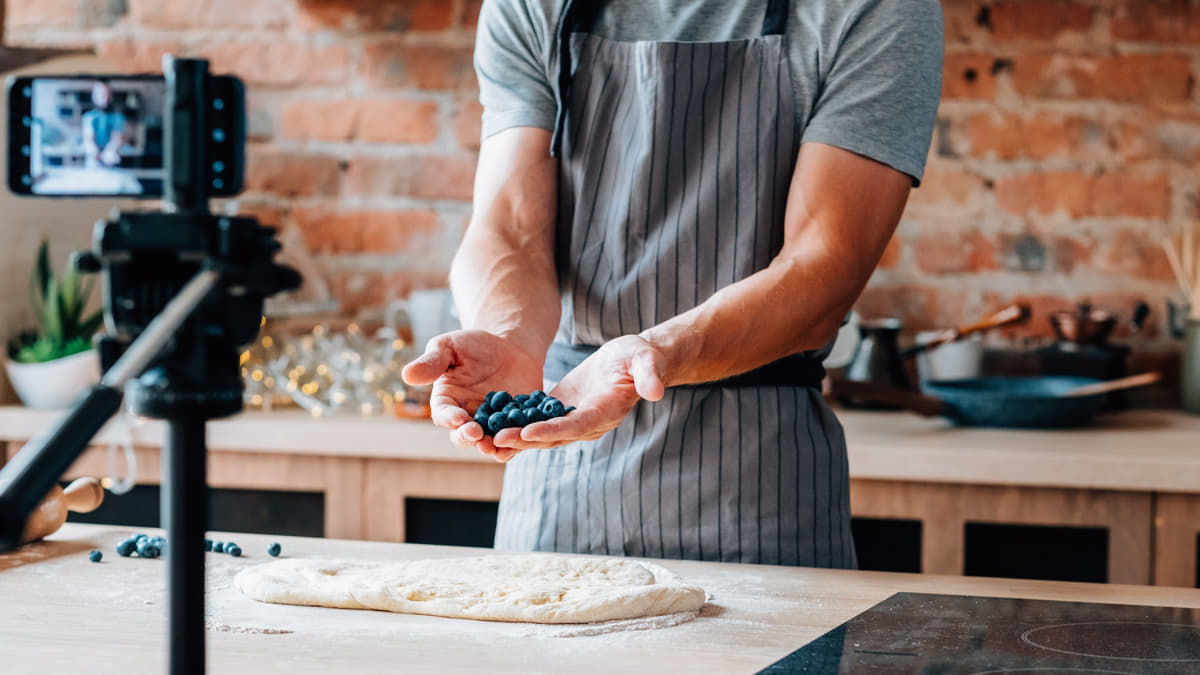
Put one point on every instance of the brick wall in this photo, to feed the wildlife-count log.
(1067, 141)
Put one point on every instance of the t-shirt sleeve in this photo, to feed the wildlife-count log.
(511, 48)
(880, 96)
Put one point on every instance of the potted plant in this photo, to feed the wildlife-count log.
(48, 367)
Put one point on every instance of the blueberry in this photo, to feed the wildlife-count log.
(537, 396)
(483, 409)
(126, 547)
(140, 538)
(274, 549)
(517, 418)
(158, 542)
(234, 550)
(481, 418)
(521, 400)
(218, 547)
(510, 407)
(229, 545)
(147, 550)
(570, 409)
(536, 415)
(95, 556)
(553, 407)
(498, 400)
(496, 422)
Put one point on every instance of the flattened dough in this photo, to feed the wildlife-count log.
(530, 588)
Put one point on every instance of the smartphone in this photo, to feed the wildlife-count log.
(102, 135)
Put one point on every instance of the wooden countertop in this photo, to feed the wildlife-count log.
(62, 613)
(1140, 450)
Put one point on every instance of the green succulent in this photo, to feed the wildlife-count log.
(58, 307)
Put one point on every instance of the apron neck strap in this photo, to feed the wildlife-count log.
(776, 18)
(578, 16)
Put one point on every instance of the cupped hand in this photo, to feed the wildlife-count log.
(463, 366)
(603, 389)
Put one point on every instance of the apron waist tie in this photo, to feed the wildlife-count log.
(797, 370)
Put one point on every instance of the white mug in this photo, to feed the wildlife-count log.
(430, 313)
(959, 360)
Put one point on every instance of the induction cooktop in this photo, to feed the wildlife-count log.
(964, 635)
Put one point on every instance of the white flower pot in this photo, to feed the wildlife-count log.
(54, 384)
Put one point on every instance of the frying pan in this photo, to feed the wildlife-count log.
(1042, 402)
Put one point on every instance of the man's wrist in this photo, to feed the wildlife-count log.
(680, 348)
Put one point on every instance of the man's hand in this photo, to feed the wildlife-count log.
(463, 367)
(603, 389)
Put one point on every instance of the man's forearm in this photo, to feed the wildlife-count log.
(503, 275)
(842, 210)
(506, 288)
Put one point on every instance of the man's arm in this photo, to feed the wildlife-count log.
(842, 209)
(503, 275)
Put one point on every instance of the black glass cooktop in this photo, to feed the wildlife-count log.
(960, 635)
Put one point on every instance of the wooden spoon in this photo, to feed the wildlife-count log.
(1118, 384)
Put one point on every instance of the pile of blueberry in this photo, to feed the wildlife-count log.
(501, 410)
(223, 547)
(145, 547)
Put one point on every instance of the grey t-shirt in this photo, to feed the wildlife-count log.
(866, 73)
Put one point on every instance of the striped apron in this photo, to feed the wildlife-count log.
(675, 162)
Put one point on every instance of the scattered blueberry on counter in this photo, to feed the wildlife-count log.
(501, 410)
(146, 549)
(274, 550)
(208, 544)
(234, 550)
(95, 556)
(126, 547)
(218, 547)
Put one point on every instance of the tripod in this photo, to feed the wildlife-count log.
(184, 289)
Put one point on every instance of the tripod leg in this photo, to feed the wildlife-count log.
(185, 514)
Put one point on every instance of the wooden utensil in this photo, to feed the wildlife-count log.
(1014, 313)
(1118, 384)
(81, 496)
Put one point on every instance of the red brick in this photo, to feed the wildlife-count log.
(1135, 254)
(917, 307)
(1151, 136)
(34, 14)
(1068, 252)
(131, 56)
(1038, 19)
(943, 185)
(427, 177)
(278, 63)
(292, 174)
(329, 231)
(1163, 21)
(357, 290)
(968, 75)
(398, 122)
(1079, 195)
(433, 67)
(469, 15)
(962, 21)
(190, 14)
(360, 16)
(467, 121)
(1007, 136)
(392, 121)
(955, 252)
(1142, 78)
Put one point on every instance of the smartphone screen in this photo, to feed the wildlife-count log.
(90, 136)
(99, 135)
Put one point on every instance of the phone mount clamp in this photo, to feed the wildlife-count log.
(183, 292)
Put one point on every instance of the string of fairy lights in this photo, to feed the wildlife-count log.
(327, 373)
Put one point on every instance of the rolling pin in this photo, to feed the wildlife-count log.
(81, 496)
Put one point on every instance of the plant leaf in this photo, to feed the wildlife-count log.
(53, 327)
(69, 291)
(42, 274)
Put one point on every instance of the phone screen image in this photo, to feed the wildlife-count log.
(92, 136)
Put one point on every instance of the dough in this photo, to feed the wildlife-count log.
(532, 588)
